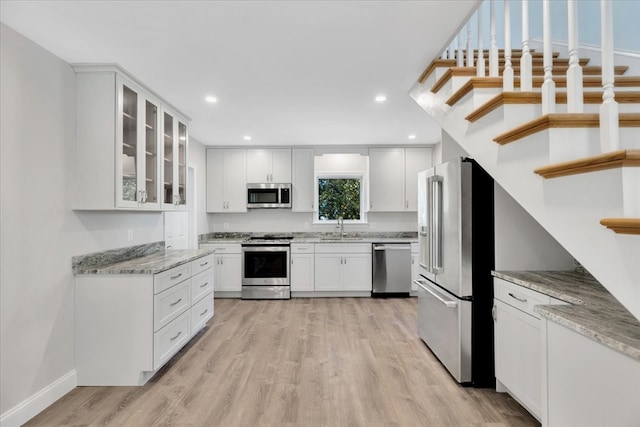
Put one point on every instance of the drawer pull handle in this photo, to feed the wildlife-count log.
(204, 284)
(517, 298)
(206, 310)
(174, 303)
(204, 263)
(173, 338)
(175, 277)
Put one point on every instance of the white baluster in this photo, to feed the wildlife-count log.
(480, 61)
(609, 119)
(460, 55)
(444, 54)
(548, 86)
(452, 50)
(507, 74)
(574, 72)
(493, 48)
(469, 50)
(526, 62)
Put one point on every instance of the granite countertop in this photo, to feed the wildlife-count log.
(354, 237)
(143, 259)
(592, 311)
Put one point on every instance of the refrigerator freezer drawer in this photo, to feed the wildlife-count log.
(444, 324)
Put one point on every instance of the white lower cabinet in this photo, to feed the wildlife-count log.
(343, 267)
(302, 267)
(228, 268)
(129, 325)
(518, 343)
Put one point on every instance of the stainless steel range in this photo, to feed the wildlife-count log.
(265, 267)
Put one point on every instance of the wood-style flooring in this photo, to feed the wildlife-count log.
(298, 362)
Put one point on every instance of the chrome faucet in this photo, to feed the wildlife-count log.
(340, 225)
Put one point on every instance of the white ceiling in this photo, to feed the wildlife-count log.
(284, 72)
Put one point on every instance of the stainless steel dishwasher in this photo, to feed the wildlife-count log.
(391, 269)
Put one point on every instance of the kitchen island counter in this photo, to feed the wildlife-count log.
(591, 310)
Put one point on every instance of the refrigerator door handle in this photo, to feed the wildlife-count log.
(430, 224)
(436, 229)
(427, 288)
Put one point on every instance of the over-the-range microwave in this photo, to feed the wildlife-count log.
(268, 196)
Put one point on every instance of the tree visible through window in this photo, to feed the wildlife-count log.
(339, 197)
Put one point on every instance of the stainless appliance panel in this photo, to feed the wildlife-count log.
(391, 268)
(265, 265)
(266, 292)
(268, 196)
(444, 324)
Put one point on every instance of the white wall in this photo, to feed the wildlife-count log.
(198, 158)
(40, 233)
(521, 242)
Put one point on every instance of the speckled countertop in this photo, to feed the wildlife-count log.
(143, 259)
(353, 237)
(592, 311)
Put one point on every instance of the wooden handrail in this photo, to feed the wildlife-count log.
(614, 159)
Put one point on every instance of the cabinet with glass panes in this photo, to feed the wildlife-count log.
(121, 152)
(175, 145)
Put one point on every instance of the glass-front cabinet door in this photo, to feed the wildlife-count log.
(175, 162)
(137, 168)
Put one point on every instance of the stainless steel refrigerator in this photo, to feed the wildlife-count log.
(455, 286)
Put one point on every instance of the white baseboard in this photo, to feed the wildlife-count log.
(33, 405)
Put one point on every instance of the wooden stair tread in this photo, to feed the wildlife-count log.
(435, 64)
(562, 120)
(453, 72)
(518, 98)
(614, 159)
(622, 225)
(587, 81)
(474, 83)
(588, 70)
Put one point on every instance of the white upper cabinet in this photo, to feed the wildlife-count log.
(269, 165)
(226, 180)
(393, 177)
(119, 145)
(174, 161)
(303, 180)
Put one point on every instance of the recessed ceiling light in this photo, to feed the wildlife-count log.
(247, 137)
(381, 98)
(412, 136)
(211, 99)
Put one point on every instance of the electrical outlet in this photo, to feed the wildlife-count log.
(372, 225)
(225, 225)
(130, 234)
(306, 225)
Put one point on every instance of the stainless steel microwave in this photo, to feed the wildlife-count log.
(268, 196)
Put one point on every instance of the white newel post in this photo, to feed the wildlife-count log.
(526, 62)
(469, 50)
(575, 102)
(507, 74)
(609, 134)
(548, 86)
(460, 56)
(480, 61)
(493, 48)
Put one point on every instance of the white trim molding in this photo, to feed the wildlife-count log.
(33, 405)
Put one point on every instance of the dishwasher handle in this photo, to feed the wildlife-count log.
(391, 247)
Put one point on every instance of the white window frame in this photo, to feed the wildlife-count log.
(340, 175)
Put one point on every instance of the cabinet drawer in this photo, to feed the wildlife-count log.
(168, 340)
(167, 279)
(223, 248)
(343, 248)
(519, 297)
(170, 303)
(201, 264)
(201, 284)
(201, 313)
(302, 248)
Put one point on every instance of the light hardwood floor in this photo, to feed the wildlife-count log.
(300, 362)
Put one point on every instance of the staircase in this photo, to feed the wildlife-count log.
(554, 165)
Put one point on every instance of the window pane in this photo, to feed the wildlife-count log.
(338, 197)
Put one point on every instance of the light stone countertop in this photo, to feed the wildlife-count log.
(353, 237)
(145, 259)
(592, 311)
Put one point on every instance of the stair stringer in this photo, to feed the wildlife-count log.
(569, 208)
